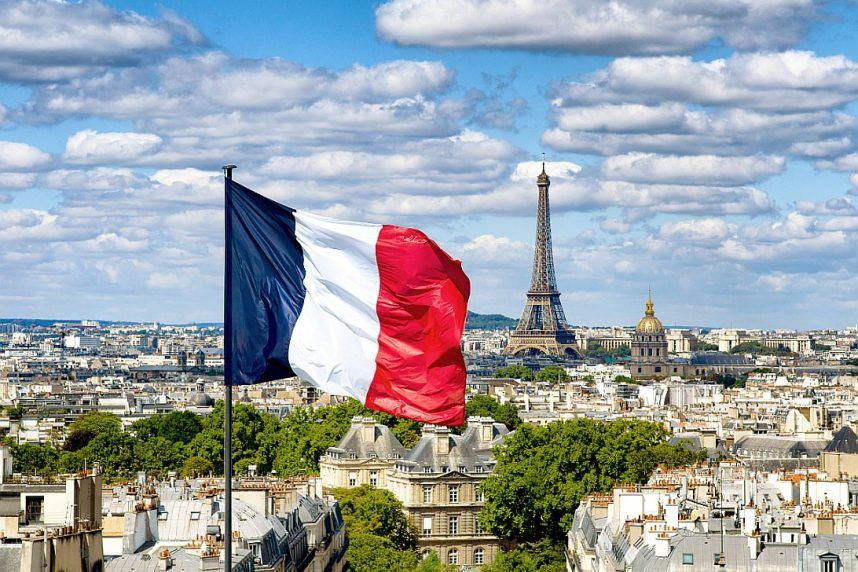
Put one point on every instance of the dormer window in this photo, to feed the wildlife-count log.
(829, 562)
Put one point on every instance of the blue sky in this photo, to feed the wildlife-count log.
(708, 151)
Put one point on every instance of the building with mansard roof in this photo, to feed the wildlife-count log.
(437, 481)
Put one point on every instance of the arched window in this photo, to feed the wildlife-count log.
(453, 557)
(479, 556)
(426, 554)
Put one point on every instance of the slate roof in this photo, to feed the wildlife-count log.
(844, 441)
(702, 548)
(384, 444)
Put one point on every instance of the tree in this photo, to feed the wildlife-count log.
(521, 372)
(552, 374)
(197, 467)
(485, 406)
(377, 512)
(431, 563)
(707, 347)
(32, 459)
(554, 466)
(176, 426)
(542, 556)
(90, 425)
(370, 553)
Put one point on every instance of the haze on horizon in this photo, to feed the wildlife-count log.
(707, 152)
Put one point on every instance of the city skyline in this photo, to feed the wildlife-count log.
(710, 154)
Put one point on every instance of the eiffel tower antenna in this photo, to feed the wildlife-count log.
(542, 327)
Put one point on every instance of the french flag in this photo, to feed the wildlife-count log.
(375, 312)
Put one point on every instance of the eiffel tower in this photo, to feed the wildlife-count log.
(542, 328)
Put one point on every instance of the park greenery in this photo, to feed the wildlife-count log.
(756, 348)
(552, 466)
(556, 465)
(596, 350)
(380, 537)
(192, 445)
(550, 373)
(520, 372)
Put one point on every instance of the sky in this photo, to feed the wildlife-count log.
(708, 150)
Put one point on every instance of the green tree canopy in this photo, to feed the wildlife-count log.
(32, 459)
(90, 425)
(376, 511)
(176, 426)
(554, 466)
(486, 406)
(521, 372)
(552, 374)
(542, 556)
(371, 553)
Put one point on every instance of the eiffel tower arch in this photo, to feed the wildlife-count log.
(542, 328)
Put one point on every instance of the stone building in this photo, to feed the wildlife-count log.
(362, 457)
(649, 346)
(52, 525)
(437, 481)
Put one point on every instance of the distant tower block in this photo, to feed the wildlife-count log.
(542, 328)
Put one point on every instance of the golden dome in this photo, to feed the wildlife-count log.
(649, 324)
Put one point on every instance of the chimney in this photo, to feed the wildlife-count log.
(368, 430)
(662, 545)
(487, 429)
(749, 520)
(442, 440)
(671, 513)
(754, 545)
(164, 560)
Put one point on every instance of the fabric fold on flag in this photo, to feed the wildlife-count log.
(375, 312)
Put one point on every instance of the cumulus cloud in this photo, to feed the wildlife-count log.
(91, 147)
(691, 169)
(588, 26)
(21, 156)
(49, 41)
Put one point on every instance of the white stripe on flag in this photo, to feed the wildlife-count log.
(335, 340)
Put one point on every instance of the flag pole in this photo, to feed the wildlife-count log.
(227, 376)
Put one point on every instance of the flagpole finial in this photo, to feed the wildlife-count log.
(227, 170)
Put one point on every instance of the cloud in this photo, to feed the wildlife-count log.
(691, 170)
(90, 147)
(21, 157)
(161, 280)
(592, 27)
(50, 40)
(705, 231)
(213, 104)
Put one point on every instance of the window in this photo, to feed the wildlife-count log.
(427, 494)
(478, 528)
(829, 563)
(427, 526)
(658, 369)
(352, 479)
(479, 496)
(427, 470)
(463, 469)
(454, 525)
(479, 556)
(426, 554)
(454, 493)
(34, 507)
(688, 558)
(373, 478)
(195, 515)
(453, 557)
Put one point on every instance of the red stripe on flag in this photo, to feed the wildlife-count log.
(422, 305)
